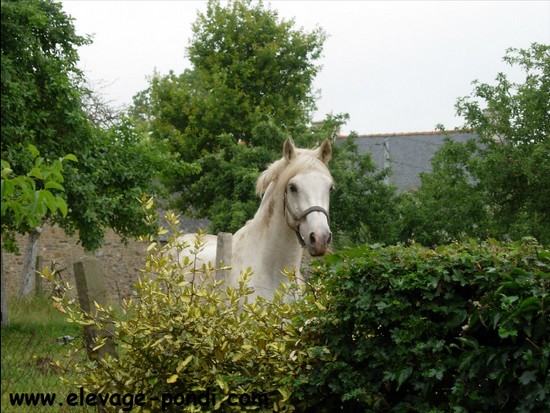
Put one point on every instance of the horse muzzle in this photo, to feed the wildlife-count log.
(318, 242)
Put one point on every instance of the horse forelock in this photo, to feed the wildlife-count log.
(281, 171)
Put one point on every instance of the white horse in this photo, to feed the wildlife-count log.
(294, 213)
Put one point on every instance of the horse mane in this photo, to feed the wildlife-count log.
(282, 170)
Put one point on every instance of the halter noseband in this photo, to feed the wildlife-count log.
(299, 217)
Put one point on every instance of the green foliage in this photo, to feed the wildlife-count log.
(226, 118)
(259, 67)
(497, 185)
(113, 175)
(223, 188)
(449, 205)
(460, 328)
(28, 200)
(184, 332)
(514, 131)
(40, 81)
(42, 104)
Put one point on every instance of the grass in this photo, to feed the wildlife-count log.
(32, 360)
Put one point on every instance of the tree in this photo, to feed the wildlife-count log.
(227, 117)
(117, 170)
(42, 97)
(44, 103)
(39, 96)
(260, 67)
(449, 204)
(499, 184)
(513, 126)
(41, 93)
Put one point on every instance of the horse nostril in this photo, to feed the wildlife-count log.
(329, 239)
(312, 238)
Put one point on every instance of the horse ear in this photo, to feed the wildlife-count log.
(325, 151)
(289, 150)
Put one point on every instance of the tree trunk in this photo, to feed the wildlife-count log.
(4, 291)
(27, 287)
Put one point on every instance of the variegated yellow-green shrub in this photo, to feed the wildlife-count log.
(187, 342)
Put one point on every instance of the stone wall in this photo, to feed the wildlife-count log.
(121, 263)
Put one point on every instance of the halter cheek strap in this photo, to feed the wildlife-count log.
(299, 217)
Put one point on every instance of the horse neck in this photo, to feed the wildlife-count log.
(275, 238)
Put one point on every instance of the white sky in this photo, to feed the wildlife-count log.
(394, 66)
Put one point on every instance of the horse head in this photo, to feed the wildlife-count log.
(307, 185)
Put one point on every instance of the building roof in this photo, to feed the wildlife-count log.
(406, 154)
(400, 134)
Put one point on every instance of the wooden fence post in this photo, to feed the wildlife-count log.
(91, 289)
(38, 267)
(224, 250)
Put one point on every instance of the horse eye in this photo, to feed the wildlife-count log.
(293, 188)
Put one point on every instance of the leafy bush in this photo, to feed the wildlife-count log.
(196, 344)
(461, 328)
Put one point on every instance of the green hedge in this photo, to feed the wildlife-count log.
(462, 328)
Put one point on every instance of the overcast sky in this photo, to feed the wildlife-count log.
(393, 66)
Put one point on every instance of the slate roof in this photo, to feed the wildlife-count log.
(408, 154)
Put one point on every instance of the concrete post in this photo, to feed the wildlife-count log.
(224, 250)
(91, 289)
